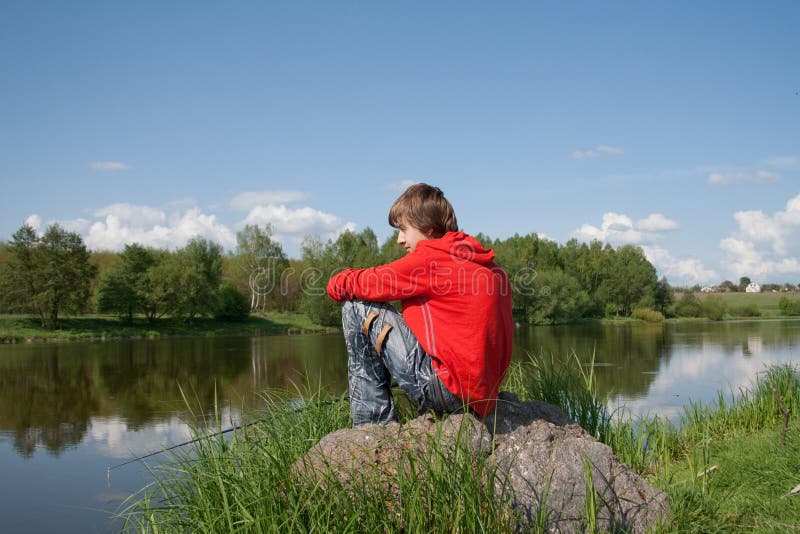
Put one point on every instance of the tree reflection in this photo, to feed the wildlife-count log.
(50, 393)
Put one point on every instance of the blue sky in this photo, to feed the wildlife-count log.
(670, 125)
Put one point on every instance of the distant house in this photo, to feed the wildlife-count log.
(707, 289)
(752, 287)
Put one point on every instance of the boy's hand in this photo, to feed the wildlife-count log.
(337, 287)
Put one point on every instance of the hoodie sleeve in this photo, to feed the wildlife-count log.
(398, 280)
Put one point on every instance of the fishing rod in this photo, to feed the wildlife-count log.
(219, 433)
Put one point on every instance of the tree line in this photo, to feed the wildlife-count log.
(53, 273)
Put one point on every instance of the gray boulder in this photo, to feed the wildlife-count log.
(542, 459)
(380, 451)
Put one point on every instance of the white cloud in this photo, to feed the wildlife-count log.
(611, 150)
(72, 225)
(765, 245)
(729, 178)
(250, 199)
(620, 229)
(139, 216)
(656, 222)
(689, 270)
(79, 226)
(126, 223)
(173, 224)
(108, 166)
(293, 224)
(35, 222)
(597, 152)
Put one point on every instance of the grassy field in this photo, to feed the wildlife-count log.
(767, 302)
(246, 484)
(23, 328)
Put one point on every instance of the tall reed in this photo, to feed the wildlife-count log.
(246, 484)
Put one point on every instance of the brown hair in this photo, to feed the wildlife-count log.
(424, 207)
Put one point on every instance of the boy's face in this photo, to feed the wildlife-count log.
(408, 236)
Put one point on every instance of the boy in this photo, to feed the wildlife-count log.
(451, 346)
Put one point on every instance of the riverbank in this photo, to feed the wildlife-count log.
(27, 329)
(723, 466)
(92, 327)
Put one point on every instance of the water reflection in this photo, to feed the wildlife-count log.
(113, 438)
(52, 395)
(87, 406)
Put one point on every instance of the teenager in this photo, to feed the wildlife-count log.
(450, 348)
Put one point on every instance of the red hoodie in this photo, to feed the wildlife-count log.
(456, 301)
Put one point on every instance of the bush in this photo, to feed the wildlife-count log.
(747, 310)
(688, 306)
(789, 306)
(648, 315)
(713, 308)
(233, 305)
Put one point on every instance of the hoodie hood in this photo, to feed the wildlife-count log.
(460, 245)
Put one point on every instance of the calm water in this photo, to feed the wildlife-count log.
(69, 411)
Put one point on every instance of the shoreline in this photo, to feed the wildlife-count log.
(286, 325)
(100, 339)
(23, 329)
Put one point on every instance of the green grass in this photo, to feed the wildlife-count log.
(767, 302)
(739, 434)
(245, 484)
(23, 328)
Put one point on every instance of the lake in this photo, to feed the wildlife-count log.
(69, 411)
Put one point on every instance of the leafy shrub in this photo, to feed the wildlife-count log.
(789, 306)
(557, 299)
(746, 310)
(648, 315)
(713, 308)
(688, 306)
(233, 305)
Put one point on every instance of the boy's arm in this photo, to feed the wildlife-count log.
(398, 280)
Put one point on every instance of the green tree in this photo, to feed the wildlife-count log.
(744, 281)
(590, 266)
(663, 296)
(729, 286)
(123, 288)
(258, 265)
(320, 262)
(630, 281)
(556, 298)
(391, 250)
(48, 274)
(161, 286)
(522, 257)
(200, 274)
(233, 305)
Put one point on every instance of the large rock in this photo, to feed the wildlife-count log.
(379, 451)
(542, 459)
(545, 459)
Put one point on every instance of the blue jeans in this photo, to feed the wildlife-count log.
(381, 346)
